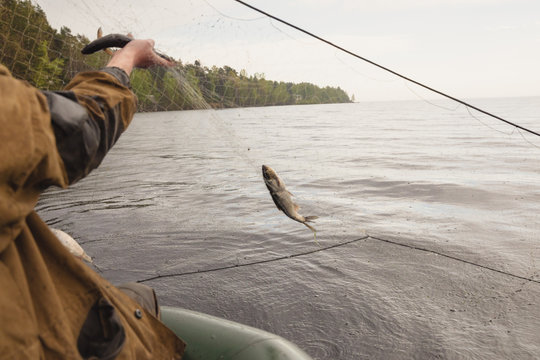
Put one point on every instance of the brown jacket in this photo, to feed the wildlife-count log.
(48, 298)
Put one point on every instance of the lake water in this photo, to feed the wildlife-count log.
(428, 224)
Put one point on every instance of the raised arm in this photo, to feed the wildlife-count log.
(56, 138)
(96, 107)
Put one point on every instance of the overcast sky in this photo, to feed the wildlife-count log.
(469, 48)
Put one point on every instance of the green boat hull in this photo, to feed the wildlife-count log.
(210, 338)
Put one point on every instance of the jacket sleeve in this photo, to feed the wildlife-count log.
(55, 138)
(88, 117)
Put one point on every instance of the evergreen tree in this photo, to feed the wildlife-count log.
(46, 72)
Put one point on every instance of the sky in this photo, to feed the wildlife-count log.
(467, 48)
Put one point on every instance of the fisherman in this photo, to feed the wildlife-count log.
(52, 305)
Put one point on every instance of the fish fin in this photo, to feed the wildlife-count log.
(296, 207)
(290, 193)
(99, 35)
(310, 218)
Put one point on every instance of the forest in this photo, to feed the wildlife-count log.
(48, 58)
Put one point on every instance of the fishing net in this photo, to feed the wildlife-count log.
(49, 57)
(413, 184)
(229, 56)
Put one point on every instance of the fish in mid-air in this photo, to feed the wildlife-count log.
(282, 198)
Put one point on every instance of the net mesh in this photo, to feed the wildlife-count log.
(223, 61)
(33, 50)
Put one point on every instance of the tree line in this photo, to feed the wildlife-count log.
(47, 58)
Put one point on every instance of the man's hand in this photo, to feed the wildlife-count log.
(137, 53)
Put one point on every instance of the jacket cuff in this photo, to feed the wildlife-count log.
(119, 74)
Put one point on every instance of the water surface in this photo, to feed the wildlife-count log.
(450, 203)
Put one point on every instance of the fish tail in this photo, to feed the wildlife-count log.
(310, 227)
(310, 218)
(314, 232)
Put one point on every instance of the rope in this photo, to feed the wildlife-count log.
(254, 262)
(365, 238)
(412, 247)
(387, 69)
